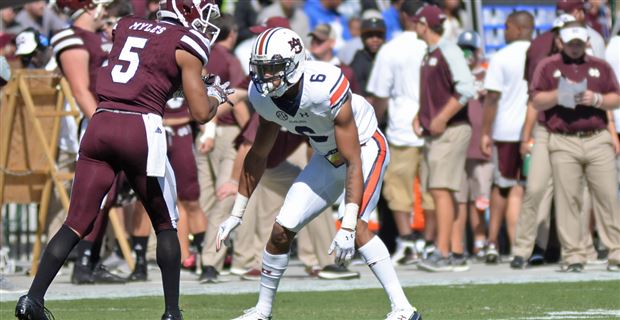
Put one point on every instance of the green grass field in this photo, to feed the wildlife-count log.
(503, 301)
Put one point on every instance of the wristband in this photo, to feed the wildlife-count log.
(349, 220)
(598, 100)
(209, 132)
(241, 203)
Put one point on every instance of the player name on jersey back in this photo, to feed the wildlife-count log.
(147, 27)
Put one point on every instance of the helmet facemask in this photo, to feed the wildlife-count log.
(265, 71)
(203, 24)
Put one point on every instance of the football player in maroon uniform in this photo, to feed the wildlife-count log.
(148, 63)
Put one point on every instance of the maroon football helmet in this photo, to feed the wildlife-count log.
(74, 8)
(195, 14)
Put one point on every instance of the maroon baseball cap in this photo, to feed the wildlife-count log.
(431, 15)
(568, 6)
(273, 22)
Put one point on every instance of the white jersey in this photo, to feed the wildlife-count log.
(323, 91)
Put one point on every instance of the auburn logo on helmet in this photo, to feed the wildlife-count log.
(295, 44)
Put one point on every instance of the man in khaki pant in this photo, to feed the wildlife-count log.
(579, 143)
(447, 86)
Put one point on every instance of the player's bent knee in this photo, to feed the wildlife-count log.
(280, 239)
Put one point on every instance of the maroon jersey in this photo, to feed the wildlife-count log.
(176, 108)
(142, 73)
(77, 38)
(227, 66)
(600, 78)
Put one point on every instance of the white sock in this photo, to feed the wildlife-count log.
(377, 257)
(274, 266)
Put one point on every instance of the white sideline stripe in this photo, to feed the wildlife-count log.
(196, 47)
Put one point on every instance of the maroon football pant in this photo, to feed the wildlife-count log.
(114, 143)
(183, 162)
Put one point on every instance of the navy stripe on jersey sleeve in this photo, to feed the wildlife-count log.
(196, 44)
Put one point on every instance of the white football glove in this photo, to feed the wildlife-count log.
(344, 245)
(224, 230)
(216, 89)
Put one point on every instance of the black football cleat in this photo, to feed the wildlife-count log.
(82, 274)
(139, 273)
(30, 309)
(172, 316)
(102, 275)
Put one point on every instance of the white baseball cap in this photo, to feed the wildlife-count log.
(572, 33)
(562, 19)
(26, 43)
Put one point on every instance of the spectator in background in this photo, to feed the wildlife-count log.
(612, 55)
(351, 46)
(398, 93)
(355, 27)
(505, 106)
(5, 71)
(392, 18)
(289, 9)
(475, 189)
(39, 16)
(216, 149)
(598, 16)
(8, 23)
(7, 45)
(246, 15)
(580, 146)
(373, 37)
(453, 26)
(446, 87)
(34, 51)
(323, 39)
(326, 11)
(577, 9)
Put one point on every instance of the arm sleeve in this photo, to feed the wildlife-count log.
(194, 43)
(338, 94)
(462, 78)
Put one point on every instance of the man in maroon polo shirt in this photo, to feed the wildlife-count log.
(574, 90)
(446, 86)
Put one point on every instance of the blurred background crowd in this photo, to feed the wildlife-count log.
(498, 204)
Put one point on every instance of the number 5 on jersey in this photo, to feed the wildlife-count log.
(120, 76)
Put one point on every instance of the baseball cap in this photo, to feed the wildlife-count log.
(323, 32)
(26, 43)
(469, 39)
(568, 6)
(431, 15)
(273, 22)
(562, 19)
(373, 24)
(572, 33)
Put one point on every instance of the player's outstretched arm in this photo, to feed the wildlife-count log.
(349, 148)
(201, 106)
(253, 168)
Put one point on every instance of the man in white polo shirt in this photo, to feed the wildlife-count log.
(398, 93)
(505, 107)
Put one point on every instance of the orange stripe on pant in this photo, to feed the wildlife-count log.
(375, 173)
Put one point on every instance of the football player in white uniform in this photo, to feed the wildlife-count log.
(313, 99)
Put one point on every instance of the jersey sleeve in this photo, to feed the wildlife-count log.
(196, 44)
(340, 90)
(66, 39)
(494, 78)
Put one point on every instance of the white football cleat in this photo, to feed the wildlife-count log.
(404, 314)
(252, 314)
